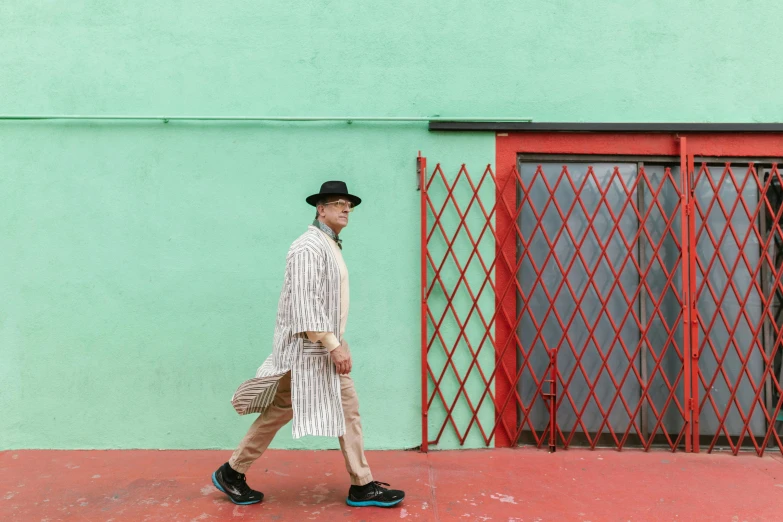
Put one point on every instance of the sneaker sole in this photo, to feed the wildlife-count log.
(365, 503)
(215, 482)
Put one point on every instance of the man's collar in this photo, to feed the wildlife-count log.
(323, 227)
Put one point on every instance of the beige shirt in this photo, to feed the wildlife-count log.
(327, 338)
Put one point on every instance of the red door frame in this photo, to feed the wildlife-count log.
(683, 145)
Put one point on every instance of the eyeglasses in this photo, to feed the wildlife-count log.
(341, 204)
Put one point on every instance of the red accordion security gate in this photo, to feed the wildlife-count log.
(605, 290)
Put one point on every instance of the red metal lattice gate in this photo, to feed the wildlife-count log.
(605, 290)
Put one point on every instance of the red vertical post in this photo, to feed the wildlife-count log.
(685, 268)
(506, 418)
(422, 174)
(693, 332)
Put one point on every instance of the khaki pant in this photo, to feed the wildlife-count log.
(279, 413)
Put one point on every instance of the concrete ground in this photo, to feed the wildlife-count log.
(483, 485)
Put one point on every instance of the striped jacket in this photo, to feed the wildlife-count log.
(310, 301)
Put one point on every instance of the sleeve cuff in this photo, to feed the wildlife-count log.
(330, 341)
(326, 338)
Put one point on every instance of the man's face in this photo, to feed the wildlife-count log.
(335, 213)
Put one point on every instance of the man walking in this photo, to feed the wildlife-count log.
(307, 376)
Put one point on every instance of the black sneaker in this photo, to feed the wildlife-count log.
(374, 494)
(234, 485)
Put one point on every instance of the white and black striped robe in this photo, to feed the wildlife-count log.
(310, 301)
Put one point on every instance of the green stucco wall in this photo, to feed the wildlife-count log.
(140, 263)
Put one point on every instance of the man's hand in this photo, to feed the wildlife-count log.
(342, 358)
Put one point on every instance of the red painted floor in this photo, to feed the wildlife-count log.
(487, 485)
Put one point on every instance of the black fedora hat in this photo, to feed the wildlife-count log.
(334, 188)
